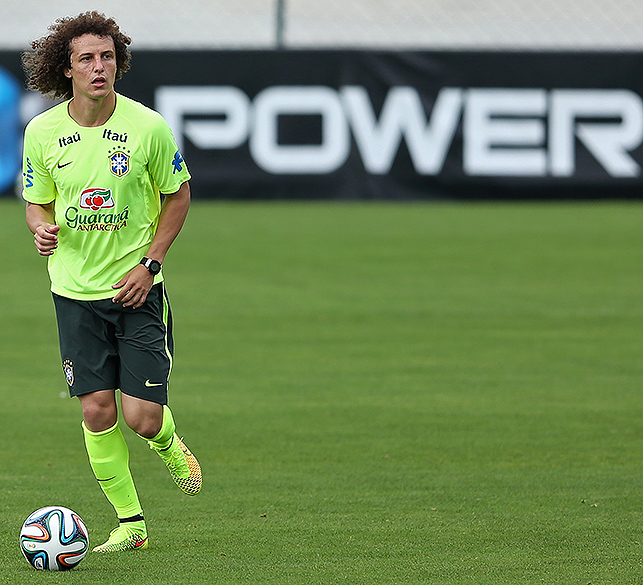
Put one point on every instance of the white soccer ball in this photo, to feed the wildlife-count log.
(54, 539)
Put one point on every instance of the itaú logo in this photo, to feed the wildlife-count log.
(505, 131)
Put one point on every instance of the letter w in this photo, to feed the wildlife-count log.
(403, 115)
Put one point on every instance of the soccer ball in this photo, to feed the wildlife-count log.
(54, 539)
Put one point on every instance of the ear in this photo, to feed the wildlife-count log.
(67, 72)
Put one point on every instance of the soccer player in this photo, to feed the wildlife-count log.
(106, 193)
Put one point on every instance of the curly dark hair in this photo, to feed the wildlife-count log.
(51, 55)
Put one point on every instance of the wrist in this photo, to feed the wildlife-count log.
(153, 266)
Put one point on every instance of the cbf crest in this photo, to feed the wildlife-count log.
(119, 163)
(68, 368)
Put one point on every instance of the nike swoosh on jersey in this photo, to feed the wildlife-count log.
(66, 164)
(151, 385)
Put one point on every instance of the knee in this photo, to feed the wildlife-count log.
(99, 413)
(143, 417)
(144, 426)
(143, 423)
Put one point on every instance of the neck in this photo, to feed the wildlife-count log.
(92, 112)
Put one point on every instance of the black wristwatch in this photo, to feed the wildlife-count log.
(154, 266)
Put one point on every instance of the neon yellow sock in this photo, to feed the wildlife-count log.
(164, 437)
(109, 459)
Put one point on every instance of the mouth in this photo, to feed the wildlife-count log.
(99, 82)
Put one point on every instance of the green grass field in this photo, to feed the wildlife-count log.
(378, 394)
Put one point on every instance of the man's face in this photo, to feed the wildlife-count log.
(93, 66)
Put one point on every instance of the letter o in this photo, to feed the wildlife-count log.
(299, 159)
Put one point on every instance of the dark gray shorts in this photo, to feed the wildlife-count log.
(105, 346)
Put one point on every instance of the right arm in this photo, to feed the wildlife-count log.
(41, 222)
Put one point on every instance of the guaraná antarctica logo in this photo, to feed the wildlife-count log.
(93, 200)
(96, 198)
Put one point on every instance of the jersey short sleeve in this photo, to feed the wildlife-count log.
(38, 185)
(166, 164)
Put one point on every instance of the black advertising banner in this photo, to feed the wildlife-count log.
(397, 125)
(11, 121)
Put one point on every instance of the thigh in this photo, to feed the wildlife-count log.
(88, 347)
(145, 348)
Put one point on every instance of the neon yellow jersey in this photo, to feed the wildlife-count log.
(105, 183)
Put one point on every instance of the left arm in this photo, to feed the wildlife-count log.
(136, 284)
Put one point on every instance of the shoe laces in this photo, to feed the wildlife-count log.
(174, 457)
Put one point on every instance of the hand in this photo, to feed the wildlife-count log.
(135, 286)
(46, 238)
